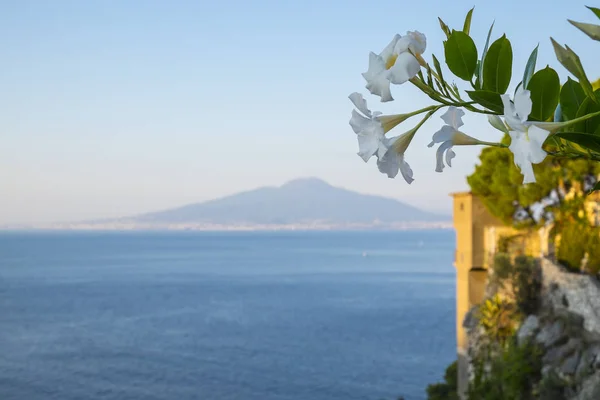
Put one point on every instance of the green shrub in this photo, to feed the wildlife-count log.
(504, 244)
(552, 387)
(525, 277)
(512, 244)
(498, 318)
(503, 267)
(593, 251)
(512, 374)
(447, 390)
(573, 243)
(527, 284)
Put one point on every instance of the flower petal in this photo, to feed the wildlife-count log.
(383, 147)
(439, 167)
(444, 134)
(528, 174)
(418, 43)
(414, 41)
(403, 44)
(360, 103)
(389, 164)
(368, 145)
(450, 154)
(509, 107)
(537, 137)
(520, 147)
(393, 162)
(453, 117)
(405, 68)
(377, 78)
(376, 66)
(359, 123)
(405, 170)
(388, 51)
(523, 104)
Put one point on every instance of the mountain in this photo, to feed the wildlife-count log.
(299, 202)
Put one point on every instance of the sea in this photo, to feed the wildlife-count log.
(225, 316)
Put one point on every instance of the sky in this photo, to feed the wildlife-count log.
(111, 108)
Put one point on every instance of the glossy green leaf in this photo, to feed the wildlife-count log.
(467, 24)
(490, 100)
(545, 93)
(444, 27)
(586, 140)
(483, 55)
(588, 107)
(461, 55)
(570, 60)
(571, 98)
(591, 30)
(497, 66)
(595, 11)
(530, 67)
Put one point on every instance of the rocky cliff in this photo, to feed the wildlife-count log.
(566, 330)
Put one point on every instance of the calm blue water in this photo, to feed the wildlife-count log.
(252, 316)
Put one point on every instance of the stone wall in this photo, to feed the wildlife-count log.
(567, 328)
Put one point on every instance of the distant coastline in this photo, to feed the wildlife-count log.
(207, 227)
(305, 204)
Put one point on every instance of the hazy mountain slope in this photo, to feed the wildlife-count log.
(299, 201)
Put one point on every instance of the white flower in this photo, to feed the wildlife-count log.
(526, 138)
(393, 160)
(449, 136)
(367, 128)
(371, 127)
(397, 63)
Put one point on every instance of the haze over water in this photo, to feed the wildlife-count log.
(269, 316)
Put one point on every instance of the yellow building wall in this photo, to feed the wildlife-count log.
(477, 236)
(470, 219)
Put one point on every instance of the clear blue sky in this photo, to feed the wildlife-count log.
(117, 107)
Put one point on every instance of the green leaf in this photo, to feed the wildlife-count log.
(438, 69)
(497, 66)
(545, 92)
(588, 107)
(586, 140)
(490, 100)
(429, 78)
(571, 98)
(591, 30)
(444, 27)
(461, 55)
(572, 63)
(530, 67)
(485, 50)
(467, 24)
(595, 11)
(595, 188)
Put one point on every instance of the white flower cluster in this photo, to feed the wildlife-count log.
(399, 62)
